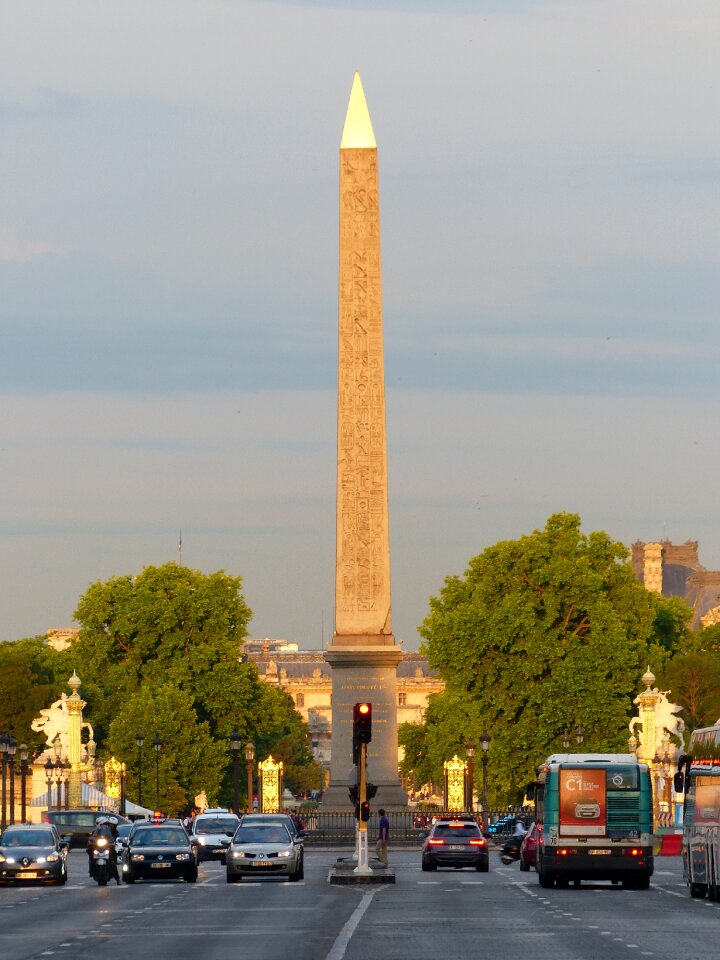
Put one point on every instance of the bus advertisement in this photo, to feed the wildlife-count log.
(698, 780)
(594, 820)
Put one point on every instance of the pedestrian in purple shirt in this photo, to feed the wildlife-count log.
(382, 840)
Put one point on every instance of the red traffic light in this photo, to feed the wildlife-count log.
(364, 708)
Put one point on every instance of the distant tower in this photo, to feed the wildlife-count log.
(363, 654)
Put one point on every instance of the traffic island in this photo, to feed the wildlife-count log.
(343, 873)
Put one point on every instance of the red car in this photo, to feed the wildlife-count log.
(528, 848)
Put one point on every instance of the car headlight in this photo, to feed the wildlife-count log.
(138, 856)
(202, 840)
(285, 853)
(2, 858)
(182, 856)
(10, 860)
(238, 853)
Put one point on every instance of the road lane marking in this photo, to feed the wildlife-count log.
(337, 951)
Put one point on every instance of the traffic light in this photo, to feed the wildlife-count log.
(362, 728)
(354, 793)
(365, 811)
(370, 790)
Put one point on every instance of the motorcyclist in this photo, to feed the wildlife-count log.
(511, 848)
(104, 827)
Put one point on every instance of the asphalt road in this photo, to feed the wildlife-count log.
(447, 914)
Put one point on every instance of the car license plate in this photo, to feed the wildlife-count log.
(455, 846)
(28, 875)
(262, 863)
(159, 866)
(600, 853)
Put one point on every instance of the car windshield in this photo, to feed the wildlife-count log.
(124, 829)
(216, 825)
(270, 833)
(164, 836)
(28, 838)
(457, 830)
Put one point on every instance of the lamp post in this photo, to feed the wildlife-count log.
(3, 751)
(11, 748)
(123, 797)
(140, 740)
(579, 735)
(157, 746)
(48, 779)
(470, 789)
(249, 759)
(58, 771)
(485, 747)
(235, 748)
(23, 754)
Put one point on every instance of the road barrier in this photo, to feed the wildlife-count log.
(327, 828)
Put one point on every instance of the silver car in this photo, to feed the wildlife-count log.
(264, 849)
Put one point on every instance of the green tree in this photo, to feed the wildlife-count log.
(693, 680)
(543, 633)
(175, 628)
(32, 676)
(189, 761)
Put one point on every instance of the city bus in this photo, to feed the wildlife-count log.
(698, 778)
(594, 820)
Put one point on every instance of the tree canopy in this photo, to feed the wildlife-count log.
(160, 652)
(547, 632)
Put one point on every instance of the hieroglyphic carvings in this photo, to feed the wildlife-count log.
(363, 560)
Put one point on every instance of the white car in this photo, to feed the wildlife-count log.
(211, 833)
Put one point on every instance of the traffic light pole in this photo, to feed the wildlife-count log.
(362, 833)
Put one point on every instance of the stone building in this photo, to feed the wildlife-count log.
(674, 570)
(305, 675)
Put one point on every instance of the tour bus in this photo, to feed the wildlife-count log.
(698, 778)
(594, 820)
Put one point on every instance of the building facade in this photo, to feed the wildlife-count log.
(306, 677)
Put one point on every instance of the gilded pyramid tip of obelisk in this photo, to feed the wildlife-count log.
(358, 131)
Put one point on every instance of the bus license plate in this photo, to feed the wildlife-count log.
(600, 853)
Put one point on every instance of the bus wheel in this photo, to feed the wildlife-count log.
(713, 892)
(698, 890)
(562, 883)
(637, 883)
(545, 881)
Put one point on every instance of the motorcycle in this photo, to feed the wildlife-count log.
(102, 856)
(510, 852)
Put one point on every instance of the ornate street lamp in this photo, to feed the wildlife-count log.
(140, 740)
(249, 760)
(235, 748)
(67, 767)
(579, 735)
(23, 754)
(470, 754)
(485, 747)
(157, 746)
(49, 766)
(123, 795)
(59, 769)
(11, 748)
(3, 751)
(566, 739)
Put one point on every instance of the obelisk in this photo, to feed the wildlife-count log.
(363, 654)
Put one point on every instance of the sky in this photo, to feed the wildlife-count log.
(550, 219)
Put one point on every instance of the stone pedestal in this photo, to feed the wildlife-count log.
(365, 673)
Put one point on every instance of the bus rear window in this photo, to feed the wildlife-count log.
(622, 777)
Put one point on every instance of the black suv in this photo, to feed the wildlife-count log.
(77, 825)
(455, 843)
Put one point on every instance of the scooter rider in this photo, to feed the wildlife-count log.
(104, 827)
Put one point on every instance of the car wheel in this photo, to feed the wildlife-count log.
(128, 878)
(524, 867)
(426, 866)
(301, 875)
(483, 867)
(231, 877)
(191, 877)
(698, 891)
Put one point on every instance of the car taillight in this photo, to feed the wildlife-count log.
(477, 843)
(633, 852)
(436, 843)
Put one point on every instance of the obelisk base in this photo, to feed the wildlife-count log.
(365, 672)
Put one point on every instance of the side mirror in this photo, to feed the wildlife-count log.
(225, 841)
(302, 834)
(422, 834)
(679, 782)
(65, 839)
